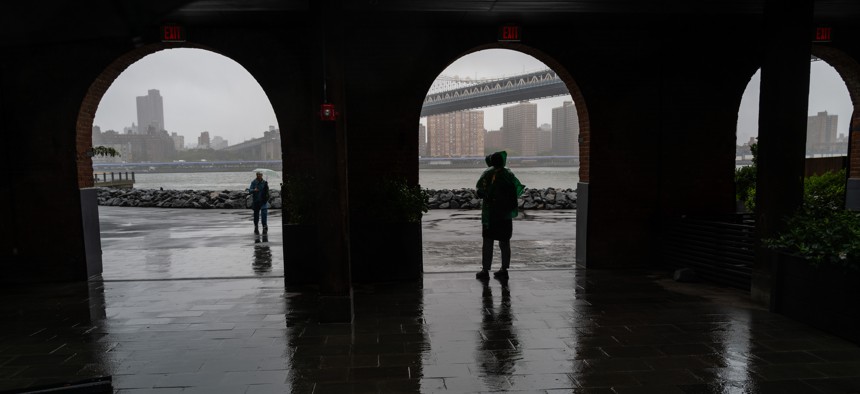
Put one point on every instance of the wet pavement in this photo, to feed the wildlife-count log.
(156, 243)
(161, 243)
(543, 331)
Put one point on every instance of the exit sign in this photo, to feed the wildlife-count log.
(510, 33)
(823, 34)
(172, 33)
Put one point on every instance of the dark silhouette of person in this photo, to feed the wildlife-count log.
(260, 202)
(499, 188)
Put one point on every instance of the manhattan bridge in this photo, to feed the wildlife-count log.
(450, 94)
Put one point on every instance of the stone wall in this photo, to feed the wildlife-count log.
(234, 199)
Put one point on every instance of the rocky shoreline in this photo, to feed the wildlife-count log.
(237, 199)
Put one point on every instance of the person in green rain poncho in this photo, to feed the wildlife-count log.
(499, 188)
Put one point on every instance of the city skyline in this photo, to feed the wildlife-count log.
(205, 91)
(201, 91)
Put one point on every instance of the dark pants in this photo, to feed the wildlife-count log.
(265, 210)
(499, 229)
(487, 253)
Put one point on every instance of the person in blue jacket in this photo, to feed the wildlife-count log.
(499, 188)
(260, 202)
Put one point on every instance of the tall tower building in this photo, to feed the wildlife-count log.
(821, 133)
(456, 134)
(150, 112)
(519, 125)
(565, 130)
(178, 141)
(544, 139)
(203, 141)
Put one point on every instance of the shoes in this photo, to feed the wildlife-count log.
(500, 274)
(265, 229)
(482, 274)
(256, 230)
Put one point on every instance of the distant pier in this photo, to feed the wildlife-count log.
(119, 180)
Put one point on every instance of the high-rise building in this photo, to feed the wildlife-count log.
(565, 130)
(422, 140)
(218, 143)
(178, 141)
(456, 134)
(519, 129)
(203, 141)
(150, 113)
(821, 134)
(544, 147)
(493, 141)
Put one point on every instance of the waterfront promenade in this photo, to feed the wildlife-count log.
(194, 305)
(163, 243)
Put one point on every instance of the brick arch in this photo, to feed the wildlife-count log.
(849, 70)
(90, 103)
(572, 88)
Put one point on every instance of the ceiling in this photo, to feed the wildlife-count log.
(58, 21)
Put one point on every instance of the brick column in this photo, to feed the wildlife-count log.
(782, 126)
(331, 159)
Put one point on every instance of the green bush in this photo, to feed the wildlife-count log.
(745, 178)
(822, 231)
(398, 202)
(297, 199)
(825, 193)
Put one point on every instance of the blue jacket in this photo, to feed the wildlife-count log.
(260, 195)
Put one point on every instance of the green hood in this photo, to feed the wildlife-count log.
(498, 159)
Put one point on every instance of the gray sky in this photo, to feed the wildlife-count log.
(201, 90)
(495, 63)
(205, 91)
(827, 92)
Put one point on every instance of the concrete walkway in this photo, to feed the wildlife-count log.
(156, 243)
(543, 331)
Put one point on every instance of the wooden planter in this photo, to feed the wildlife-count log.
(386, 252)
(826, 297)
(301, 264)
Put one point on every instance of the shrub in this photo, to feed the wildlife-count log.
(400, 202)
(822, 231)
(745, 178)
(297, 200)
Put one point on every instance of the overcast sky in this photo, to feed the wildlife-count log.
(204, 91)
(201, 90)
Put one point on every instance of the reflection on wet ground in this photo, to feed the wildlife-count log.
(161, 243)
(549, 331)
(193, 302)
(542, 239)
(156, 243)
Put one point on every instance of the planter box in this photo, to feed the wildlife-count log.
(301, 265)
(386, 252)
(825, 297)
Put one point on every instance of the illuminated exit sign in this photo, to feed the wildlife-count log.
(510, 33)
(172, 33)
(823, 34)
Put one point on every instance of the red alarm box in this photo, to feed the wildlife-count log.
(328, 113)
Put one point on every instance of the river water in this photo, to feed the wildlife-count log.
(452, 178)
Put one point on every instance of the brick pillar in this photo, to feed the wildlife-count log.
(782, 126)
(330, 151)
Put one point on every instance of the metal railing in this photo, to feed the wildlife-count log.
(718, 249)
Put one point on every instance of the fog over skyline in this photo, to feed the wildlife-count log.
(201, 90)
(205, 91)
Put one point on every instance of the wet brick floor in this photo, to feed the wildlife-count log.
(550, 331)
(154, 330)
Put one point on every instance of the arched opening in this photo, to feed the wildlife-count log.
(511, 98)
(192, 127)
(832, 121)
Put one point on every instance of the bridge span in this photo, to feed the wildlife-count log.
(487, 93)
